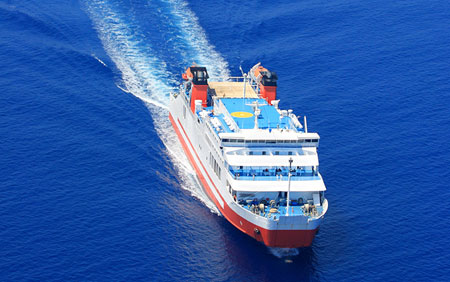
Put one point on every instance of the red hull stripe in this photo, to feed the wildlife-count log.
(193, 162)
(271, 238)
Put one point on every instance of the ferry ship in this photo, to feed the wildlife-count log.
(257, 162)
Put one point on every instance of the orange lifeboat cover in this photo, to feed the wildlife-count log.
(259, 70)
(188, 74)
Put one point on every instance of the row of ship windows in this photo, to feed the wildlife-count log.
(275, 153)
(270, 141)
(213, 163)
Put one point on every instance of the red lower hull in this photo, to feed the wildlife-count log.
(271, 238)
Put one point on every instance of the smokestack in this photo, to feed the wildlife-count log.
(268, 84)
(199, 78)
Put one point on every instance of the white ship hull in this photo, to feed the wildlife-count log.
(200, 144)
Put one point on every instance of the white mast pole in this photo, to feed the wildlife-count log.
(306, 124)
(245, 84)
(289, 187)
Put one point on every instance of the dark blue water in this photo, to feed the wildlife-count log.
(93, 184)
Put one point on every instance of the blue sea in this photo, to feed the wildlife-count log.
(93, 182)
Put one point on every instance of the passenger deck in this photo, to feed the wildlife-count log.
(275, 210)
(272, 174)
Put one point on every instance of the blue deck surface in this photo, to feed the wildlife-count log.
(224, 124)
(269, 117)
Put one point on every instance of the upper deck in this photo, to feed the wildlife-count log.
(254, 139)
(235, 116)
(243, 111)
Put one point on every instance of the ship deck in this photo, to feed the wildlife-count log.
(231, 89)
(280, 210)
(242, 113)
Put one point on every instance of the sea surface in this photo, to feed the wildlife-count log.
(94, 185)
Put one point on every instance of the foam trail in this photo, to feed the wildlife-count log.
(142, 73)
(283, 252)
(189, 181)
(145, 76)
(194, 35)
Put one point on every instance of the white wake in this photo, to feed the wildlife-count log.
(145, 76)
(284, 252)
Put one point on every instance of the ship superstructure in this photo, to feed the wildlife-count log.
(257, 162)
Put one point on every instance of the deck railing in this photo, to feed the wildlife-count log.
(271, 174)
(274, 212)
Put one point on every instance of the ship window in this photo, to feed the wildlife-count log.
(308, 140)
(290, 153)
(315, 140)
(254, 141)
(277, 152)
(261, 141)
(184, 111)
(225, 140)
(264, 152)
(240, 140)
(271, 141)
(301, 141)
(250, 153)
(232, 140)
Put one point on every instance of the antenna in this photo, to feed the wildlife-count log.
(255, 106)
(242, 72)
(257, 111)
(245, 84)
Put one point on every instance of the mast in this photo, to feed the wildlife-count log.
(289, 187)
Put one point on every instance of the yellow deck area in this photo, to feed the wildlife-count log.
(229, 89)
